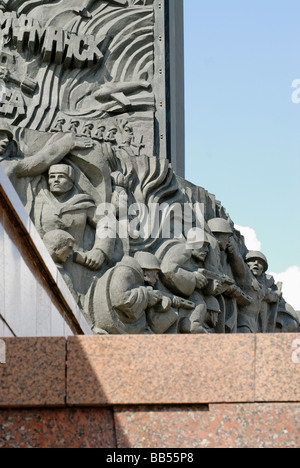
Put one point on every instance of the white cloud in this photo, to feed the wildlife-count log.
(251, 240)
(291, 285)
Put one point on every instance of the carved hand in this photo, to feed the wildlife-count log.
(94, 259)
(233, 291)
(82, 143)
(218, 287)
(154, 297)
(201, 281)
(214, 318)
(230, 247)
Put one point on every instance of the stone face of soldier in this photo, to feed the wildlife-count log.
(223, 240)
(128, 134)
(64, 251)
(60, 245)
(60, 183)
(100, 132)
(4, 141)
(201, 253)
(151, 277)
(256, 266)
(112, 136)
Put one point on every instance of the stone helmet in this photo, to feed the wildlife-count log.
(213, 304)
(197, 238)
(89, 125)
(220, 225)
(253, 254)
(4, 127)
(147, 261)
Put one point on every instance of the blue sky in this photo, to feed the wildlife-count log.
(242, 128)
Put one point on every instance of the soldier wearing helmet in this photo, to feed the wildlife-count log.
(150, 266)
(125, 294)
(287, 320)
(272, 314)
(222, 231)
(222, 234)
(160, 314)
(180, 265)
(250, 276)
(198, 242)
(257, 263)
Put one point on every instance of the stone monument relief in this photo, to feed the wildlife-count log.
(142, 250)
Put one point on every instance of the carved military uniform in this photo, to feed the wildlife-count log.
(120, 300)
(71, 216)
(179, 276)
(255, 288)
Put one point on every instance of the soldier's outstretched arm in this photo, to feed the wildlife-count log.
(104, 245)
(239, 268)
(53, 153)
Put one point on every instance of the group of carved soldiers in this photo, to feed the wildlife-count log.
(193, 287)
(198, 284)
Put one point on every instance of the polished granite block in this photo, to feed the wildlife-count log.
(57, 428)
(34, 372)
(182, 369)
(278, 368)
(269, 425)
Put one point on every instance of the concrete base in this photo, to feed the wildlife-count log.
(151, 392)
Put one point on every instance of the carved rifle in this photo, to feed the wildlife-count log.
(180, 303)
(211, 275)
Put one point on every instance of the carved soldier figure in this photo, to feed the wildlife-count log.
(180, 274)
(121, 298)
(59, 126)
(60, 245)
(73, 127)
(99, 135)
(128, 134)
(288, 319)
(20, 170)
(222, 233)
(87, 130)
(249, 276)
(111, 136)
(258, 264)
(63, 207)
(160, 316)
(128, 144)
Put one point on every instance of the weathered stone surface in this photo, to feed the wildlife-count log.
(34, 299)
(83, 139)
